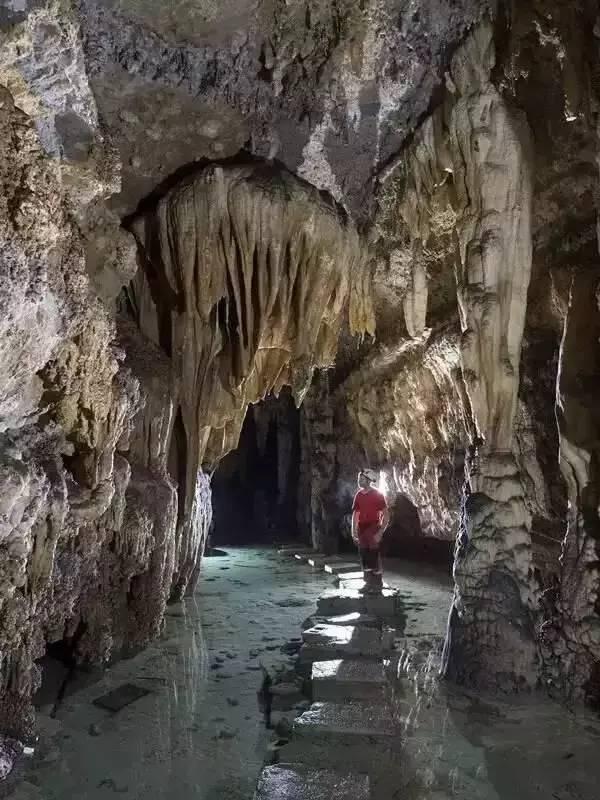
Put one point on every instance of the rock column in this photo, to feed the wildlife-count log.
(491, 640)
(318, 467)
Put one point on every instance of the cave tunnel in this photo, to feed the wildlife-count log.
(406, 539)
(255, 487)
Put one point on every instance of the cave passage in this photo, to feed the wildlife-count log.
(247, 250)
(255, 487)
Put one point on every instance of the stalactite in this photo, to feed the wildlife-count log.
(248, 272)
(415, 300)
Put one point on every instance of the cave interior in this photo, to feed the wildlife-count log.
(248, 249)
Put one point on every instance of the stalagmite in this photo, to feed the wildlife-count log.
(491, 630)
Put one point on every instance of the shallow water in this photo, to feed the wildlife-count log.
(199, 733)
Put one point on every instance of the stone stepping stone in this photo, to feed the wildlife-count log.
(317, 560)
(353, 575)
(300, 782)
(356, 583)
(348, 722)
(296, 551)
(303, 555)
(340, 567)
(384, 604)
(345, 679)
(323, 642)
(353, 618)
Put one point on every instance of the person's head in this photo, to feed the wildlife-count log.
(367, 478)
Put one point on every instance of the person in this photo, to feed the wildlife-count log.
(370, 518)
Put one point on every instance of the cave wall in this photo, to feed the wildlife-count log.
(485, 244)
(88, 504)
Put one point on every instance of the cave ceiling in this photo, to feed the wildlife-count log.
(330, 89)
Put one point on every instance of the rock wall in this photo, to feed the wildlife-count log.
(88, 505)
(485, 246)
(112, 400)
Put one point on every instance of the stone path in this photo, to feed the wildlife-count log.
(382, 726)
(346, 745)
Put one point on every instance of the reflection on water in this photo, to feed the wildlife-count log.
(464, 745)
(199, 735)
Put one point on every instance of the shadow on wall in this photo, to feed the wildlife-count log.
(405, 539)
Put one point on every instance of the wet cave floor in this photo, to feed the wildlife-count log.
(198, 733)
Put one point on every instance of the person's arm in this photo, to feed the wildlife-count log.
(355, 526)
(384, 521)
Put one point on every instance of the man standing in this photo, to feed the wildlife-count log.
(370, 518)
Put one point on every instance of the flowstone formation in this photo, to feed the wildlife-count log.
(247, 272)
(473, 404)
(491, 636)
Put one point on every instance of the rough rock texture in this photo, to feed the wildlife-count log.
(247, 272)
(462, 156)
(409, 409)
(330, 89)
(497, 188)
(317, 510)
(490, 151)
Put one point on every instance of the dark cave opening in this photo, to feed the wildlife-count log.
(405, 538)
(255, 487)
(63, 673)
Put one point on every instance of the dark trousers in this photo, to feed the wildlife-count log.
(371, 560)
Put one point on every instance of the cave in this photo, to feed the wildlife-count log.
(254, 490)
(299, 420)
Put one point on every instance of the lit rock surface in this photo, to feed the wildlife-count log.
(323, 639)
(345, 720)
(386, 603)
(296, 782)
(341, 680)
